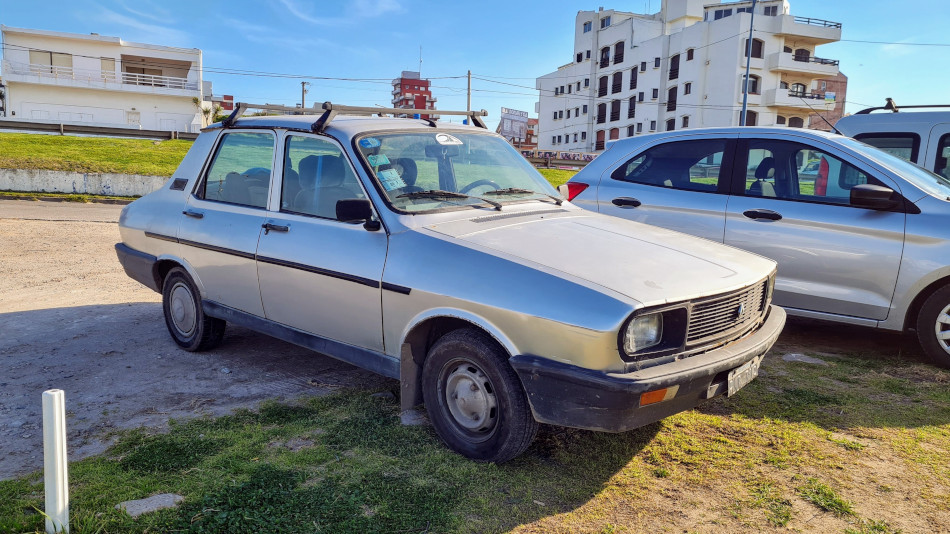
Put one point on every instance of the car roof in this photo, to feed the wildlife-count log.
(345, 125)
(731, 130)
(859, 123)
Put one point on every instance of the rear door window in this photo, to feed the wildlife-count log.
(943, 152)
(686, 165)
(241, 170)
(903, 145)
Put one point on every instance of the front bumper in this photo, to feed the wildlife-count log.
(567, 395)
(139, 266)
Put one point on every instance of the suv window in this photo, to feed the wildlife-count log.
(316, 176)
(943, 152)
(240, 172)
(793, 171)
(902, 145)
(687, 165)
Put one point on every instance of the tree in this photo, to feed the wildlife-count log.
(208, 114)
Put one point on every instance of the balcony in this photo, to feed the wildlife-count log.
(786, 98)
(97, 79)
(815, 67)
(802, 29)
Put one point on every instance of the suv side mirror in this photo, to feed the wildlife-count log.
(875, 197)
(354, 210)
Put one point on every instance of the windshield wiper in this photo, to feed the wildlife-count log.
(438, 193)
(519, 190)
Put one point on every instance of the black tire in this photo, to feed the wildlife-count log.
(493, 421)
(930, 325)
(191, 329)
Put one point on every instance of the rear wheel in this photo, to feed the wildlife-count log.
(474, 398)
(191, 329)
(933, 326)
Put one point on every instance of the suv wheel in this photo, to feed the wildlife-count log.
(933, 326)
(191, 329)
(474, 398)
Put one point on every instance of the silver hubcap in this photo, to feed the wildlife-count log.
(182, 308)
(470, 398)
(942, 329)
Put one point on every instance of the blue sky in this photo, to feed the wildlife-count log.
(510, 42)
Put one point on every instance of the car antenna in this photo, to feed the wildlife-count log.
(833, 129)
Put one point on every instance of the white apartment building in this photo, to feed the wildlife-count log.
(684, 67)
(94, 79)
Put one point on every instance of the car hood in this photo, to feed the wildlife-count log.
(646, 263)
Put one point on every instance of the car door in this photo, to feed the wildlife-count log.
(794, 208)
(678, 184)
(221, 222)
(318, 274)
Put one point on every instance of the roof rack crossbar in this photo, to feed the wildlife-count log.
(892, 106)
(329, 110)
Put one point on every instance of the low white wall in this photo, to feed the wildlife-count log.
(44, 181)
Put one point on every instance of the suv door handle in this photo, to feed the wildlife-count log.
(626, 202)
(768, 215)
(275, 227)
(195, 214)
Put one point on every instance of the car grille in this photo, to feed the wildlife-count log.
(717, 318)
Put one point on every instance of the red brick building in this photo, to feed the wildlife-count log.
(411, 92)
(837, 85)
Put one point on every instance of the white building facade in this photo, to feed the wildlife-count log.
(99, 80)
(684, 67)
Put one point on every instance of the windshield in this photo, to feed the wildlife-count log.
(426, 171)
(927, 181)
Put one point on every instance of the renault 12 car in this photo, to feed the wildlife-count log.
(433, 253)
(860, 236)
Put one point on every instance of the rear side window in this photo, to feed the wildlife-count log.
(943, 152)
(906, 146)
(686, 165)
(241, 170)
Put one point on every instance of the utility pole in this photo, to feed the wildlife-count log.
(748, 60)
(303, 94)
(468, 101)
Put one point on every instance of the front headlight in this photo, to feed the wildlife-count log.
(643, 332)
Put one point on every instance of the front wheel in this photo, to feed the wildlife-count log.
(474, 398)
(191, 329)
(933, 326)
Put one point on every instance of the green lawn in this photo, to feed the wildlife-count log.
(91, 154)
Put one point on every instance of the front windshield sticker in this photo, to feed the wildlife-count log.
(446, 139)
(369, 142)
(390, 179)
(377, 159)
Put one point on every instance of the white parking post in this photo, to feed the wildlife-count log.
(54, 461)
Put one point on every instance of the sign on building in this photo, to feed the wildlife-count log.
(514, 124)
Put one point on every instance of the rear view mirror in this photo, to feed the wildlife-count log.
(440, 151)
(875, 197)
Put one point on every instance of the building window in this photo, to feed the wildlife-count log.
(586, 82)
(614, 110)
(556, 91)
(656, 94)
(553, 139)
(751, 118)
(580, 57)
(722, 13)
(771, 11)
(670, 125)
(575, 138)
(671, 99)
(656, 63)
(618, 53)
(753, 87)
(796, 122)
(583, 136)
(617, 84)
(587, 55)
(604, 22)
(587, 26)
(639, 127)
(632, 107)
(562, 89)
(585, 109)
(640, 96)
(559, 139)
(107, 66)
(686, 121)
(569, 89)
(803, 55)
(599, 143)
(643, 66)
(687, 88)
(797, 89)
(630, 130)
(779, 120)
(604, 56)
(569, 114)
(674, 66)
(689, 54)
(577, 112)
(614, 133)
(55, 62)
(633, 78)
(602, 86)
(757, 46)
(743, 10)
(652, 126)
(601, 113)
(560, 114)
(555, 115)
(578, 86)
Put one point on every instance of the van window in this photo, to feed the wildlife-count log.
(943, 152)
(903, 145)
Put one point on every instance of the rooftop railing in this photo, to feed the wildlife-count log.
(817, 22)
(97, 76)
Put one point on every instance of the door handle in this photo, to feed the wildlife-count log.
(194, 214)
(626, 202)
(275, 227)
(768, 215)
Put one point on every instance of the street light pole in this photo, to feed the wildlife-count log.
(748, 60)
(303, 94)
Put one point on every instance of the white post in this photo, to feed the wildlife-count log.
(54, 461)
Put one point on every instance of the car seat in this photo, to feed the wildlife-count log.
(765, 171)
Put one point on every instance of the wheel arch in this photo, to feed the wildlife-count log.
(165, 264)
(910, 318)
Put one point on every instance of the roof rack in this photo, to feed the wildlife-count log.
(892, 106)
(330, 110)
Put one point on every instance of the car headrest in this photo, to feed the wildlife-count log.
(766, 169)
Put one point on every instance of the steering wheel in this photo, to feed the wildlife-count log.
(478, 183)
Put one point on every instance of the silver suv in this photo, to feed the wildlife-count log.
(433, 253)
(860, 236)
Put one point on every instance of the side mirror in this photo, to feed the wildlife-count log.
(354, 210)
(875, 197)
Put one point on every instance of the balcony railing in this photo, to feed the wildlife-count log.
(602, 91)
(674, 74)
(97, 77)
(618, 57)
(817, 60)
(671, 104)
(817, 22)
(616, 87)
(604, 62)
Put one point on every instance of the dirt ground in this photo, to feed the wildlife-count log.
(71, 319)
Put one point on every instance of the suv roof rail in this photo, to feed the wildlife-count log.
(892, 106)
(329, 110)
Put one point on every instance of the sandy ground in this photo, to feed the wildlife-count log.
(71, 319)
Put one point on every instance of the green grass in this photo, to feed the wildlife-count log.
(557, 176)
(822, 496)
(65, 197)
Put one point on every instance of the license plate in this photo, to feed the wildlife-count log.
(742, 375)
